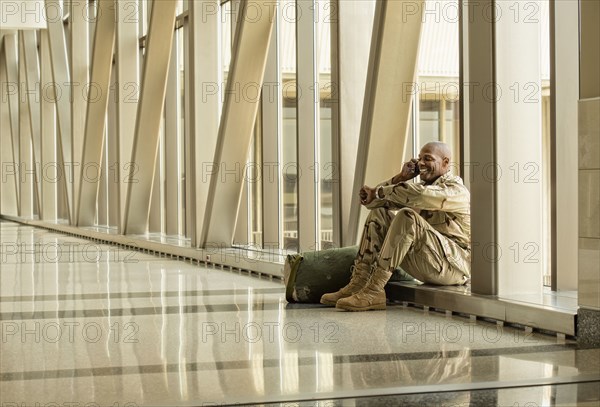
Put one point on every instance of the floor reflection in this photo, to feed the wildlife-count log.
(173, 333)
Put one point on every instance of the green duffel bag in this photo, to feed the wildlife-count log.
(309, 275)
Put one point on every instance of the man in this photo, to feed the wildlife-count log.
(429, 236)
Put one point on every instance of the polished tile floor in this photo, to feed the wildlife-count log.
(82, 323)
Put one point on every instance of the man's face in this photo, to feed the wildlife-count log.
(432, 164)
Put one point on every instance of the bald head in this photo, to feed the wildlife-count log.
(439, 148)
(434, 161)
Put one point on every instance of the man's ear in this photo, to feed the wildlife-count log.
(446, 161)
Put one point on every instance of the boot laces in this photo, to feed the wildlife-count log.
(368, 291)
(355, 280)
(367, 294)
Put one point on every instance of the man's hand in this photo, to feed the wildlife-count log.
(409, 171)
(367, 195)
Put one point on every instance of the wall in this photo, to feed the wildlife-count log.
(589, 175)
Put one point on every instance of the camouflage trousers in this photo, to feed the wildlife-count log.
(407, 240)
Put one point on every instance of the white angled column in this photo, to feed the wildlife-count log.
(97, 108)
(83, 17)
(149, 114)
(9, 204)
(173, 172)
(63, 96)
(50, 171)
(26, 164)
(203, 68)
(32, 82)
(127, 54)
(353, 50)
(11, 66)
(110, 158)
(386, 108)
(245, 80)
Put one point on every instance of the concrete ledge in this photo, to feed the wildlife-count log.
(460, 300)
(261, 263)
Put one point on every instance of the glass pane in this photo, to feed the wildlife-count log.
(144, 16)
(438, 74)
(226, 37)
(429, 115)
(546, 141)
(255, 185)
(181, 127)
(452, 132)
(326, 172)
(290, 176)
(325, 10)
(287, 43)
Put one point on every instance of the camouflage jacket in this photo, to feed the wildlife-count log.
(445, 205)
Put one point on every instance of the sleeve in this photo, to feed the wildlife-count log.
(385, 183)
(381, 203)
(449, 197)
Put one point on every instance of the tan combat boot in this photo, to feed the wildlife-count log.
(371, 297)
(360, 277)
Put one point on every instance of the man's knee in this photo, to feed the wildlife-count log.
(379, 215)
(404, 222)
(378, 212)
(407, 215)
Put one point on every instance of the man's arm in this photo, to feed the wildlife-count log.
(451, 197)
(368, 195)
(409, 171)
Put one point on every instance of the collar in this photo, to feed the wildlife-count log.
(443, 179)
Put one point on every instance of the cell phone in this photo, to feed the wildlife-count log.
(417, 170)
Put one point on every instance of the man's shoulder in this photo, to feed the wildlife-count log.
(451, 179)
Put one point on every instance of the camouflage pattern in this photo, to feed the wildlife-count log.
(425, 229)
